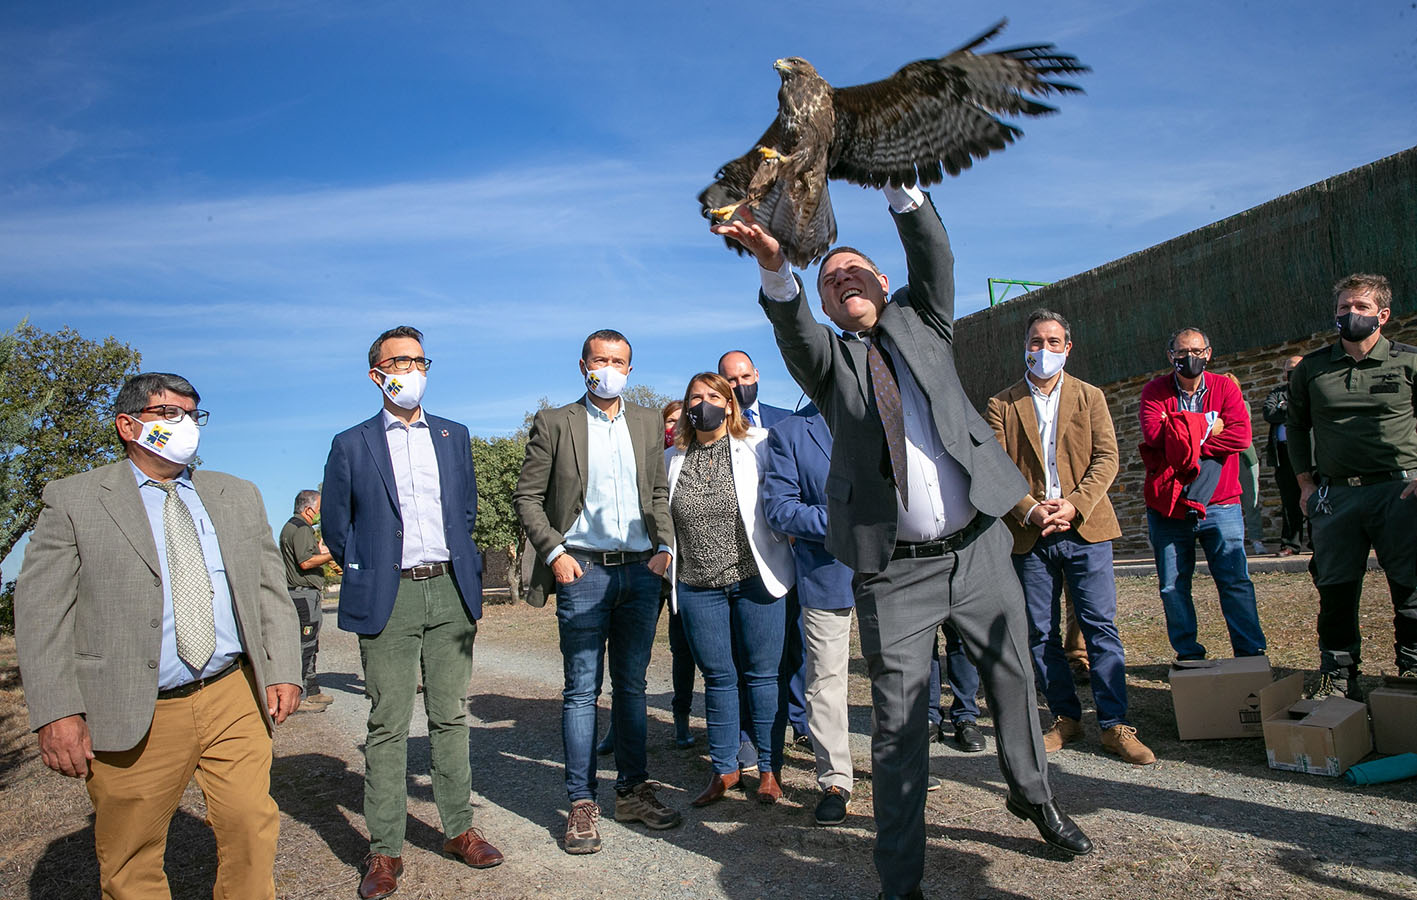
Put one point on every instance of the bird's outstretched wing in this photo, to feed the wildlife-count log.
(936, 116)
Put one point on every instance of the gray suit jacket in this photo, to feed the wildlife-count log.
(832, 370)
(550, 492)
(88, 602)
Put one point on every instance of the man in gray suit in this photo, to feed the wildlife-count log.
(156, 640)
(916, 485)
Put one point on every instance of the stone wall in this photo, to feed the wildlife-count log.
(1258, 371)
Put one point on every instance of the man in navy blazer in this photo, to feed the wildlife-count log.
(795, 504)
(399, 505)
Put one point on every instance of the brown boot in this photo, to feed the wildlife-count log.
(769, 791)
(718, 785)
(1122, 740)
(1064, 731)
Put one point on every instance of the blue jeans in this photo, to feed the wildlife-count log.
(963, 679)
(614, 607)
(716, 620)
(1087, 567)
(1222, 536)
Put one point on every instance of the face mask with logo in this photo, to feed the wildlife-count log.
(1356, 326)
(173, 441)
(405, 388)
(1190, 366)
(746, 395)
(1044, 363)
(606, 382)
(705, 416)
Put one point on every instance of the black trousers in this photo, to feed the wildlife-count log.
(307, 606)
(1293, 526)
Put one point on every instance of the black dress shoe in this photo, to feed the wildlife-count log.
(1057, 829)
(968, 737)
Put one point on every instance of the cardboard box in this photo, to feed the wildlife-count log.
(1394, 710)
(1320, 737)
(1219, 698)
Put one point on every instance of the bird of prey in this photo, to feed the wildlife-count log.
(932, 117)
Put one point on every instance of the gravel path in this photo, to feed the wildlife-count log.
(1208, 820)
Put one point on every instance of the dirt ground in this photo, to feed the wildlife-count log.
(1210, 819)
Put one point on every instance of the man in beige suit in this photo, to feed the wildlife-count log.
(1058, 432)
(156, 640)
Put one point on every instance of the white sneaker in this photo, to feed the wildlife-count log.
(1257, 548)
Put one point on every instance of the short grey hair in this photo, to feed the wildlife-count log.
(306, 500)
(1047, 315)
(137, 391)
(1189, 329)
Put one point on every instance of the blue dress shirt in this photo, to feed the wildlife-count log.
(611, 518)
(172, 671)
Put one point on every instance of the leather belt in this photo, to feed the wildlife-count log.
(426, 571)
(1378, 478)
(191, 687)
(610, 557)
(948, 544)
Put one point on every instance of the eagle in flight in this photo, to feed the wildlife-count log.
(932, 117)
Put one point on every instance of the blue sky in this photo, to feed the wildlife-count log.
(248, 192)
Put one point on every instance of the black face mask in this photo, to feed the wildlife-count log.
(1190, 366)
(704, 416)
(746, 394)
(1356, 327)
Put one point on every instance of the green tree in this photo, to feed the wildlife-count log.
(498, 462)
(56, 415)
(645, 395)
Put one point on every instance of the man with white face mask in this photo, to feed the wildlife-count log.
(156, 640)
(593, 499)
(1058, 432)
(398, 507)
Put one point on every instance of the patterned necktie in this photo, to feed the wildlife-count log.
(191, 582)
(887, 393)
(752, 418)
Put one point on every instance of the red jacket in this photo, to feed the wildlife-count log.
(1171, 444)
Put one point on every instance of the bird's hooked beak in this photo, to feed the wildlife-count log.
(782, 66)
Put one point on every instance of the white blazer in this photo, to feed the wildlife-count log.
(771, 551)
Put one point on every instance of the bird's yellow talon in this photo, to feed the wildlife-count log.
(724, 213)
(769, 153)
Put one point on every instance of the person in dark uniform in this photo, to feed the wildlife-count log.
(1352, 432)
(305, 556)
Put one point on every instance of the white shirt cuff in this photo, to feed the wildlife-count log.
(904, 199)
(779, 286)
(551, 557)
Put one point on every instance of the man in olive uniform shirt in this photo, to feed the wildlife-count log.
(1352, 432)
(305, 556)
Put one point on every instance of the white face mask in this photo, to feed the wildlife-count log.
(606, 382)
(1044, 363)
(173, 441)
(405, 388)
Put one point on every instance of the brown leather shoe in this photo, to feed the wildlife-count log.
(1122, 740)
(1064, 731)
(381, 876)
(718, 786)
(473, 849)
(769, 791)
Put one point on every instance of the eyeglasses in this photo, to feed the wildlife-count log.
(404, 363)
(175, 413)
(1183, 352)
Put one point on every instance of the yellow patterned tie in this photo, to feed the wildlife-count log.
(190, 580)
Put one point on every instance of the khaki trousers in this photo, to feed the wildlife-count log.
(217, 733)
(826, 643)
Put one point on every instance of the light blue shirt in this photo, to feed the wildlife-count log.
(172, 671)
(611, 518)
(419, 488)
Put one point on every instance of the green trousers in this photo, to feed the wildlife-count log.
(429, 631)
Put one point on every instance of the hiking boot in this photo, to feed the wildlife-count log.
(1064, 731)
(1335, 684)
(831, 809)
(641, 805)
(1122, 740)
(319, 698)
(582, 834)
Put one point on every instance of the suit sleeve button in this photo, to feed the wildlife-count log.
(152, 664)
(155, 623)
